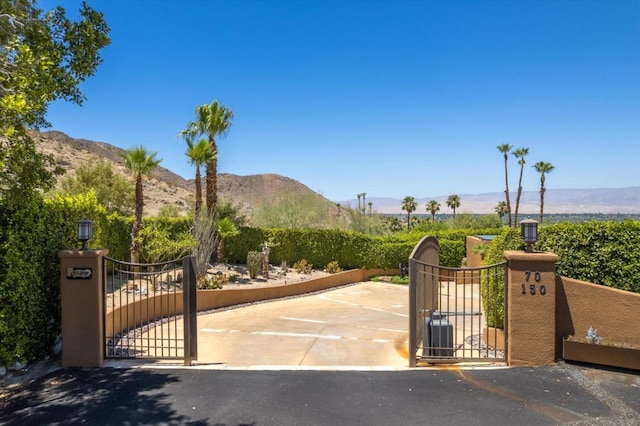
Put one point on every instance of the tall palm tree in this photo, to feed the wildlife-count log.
(542, 168)
(140, 162)
(364, 202)
(519, 154)
(370, 204)
(211, 120)
(505, 148)
(501, 209)
(199, 153)
(453, 202)
(433, 207)
(409, 205)
(359, 205)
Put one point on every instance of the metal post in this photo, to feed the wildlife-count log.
(189, 311)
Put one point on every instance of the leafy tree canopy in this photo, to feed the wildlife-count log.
(43, 57)
(113, 190)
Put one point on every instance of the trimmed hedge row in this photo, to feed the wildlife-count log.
(350, 249)
(606, 253)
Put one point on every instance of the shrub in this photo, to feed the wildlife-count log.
(211, 282)
(333, 267)
(303, 267)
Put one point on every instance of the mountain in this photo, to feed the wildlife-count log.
(165, 187)
(567, 201)
(249, 192)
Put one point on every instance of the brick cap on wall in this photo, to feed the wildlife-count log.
(536, 256)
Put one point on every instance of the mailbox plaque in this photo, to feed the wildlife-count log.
(79, 273)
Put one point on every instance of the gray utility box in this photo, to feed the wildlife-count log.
(438, 336)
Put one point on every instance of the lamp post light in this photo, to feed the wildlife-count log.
(85, 232)
(529, 229)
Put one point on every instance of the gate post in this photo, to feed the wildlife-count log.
(82, 292)
(531, 302)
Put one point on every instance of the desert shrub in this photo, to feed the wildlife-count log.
(303, 267)
(333, 267)
(254, 262)
(211, 282)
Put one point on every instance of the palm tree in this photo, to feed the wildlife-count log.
(364, 201)
(501, 209)
(359, 205)
(542, 168)
(140, 162)
(199, 153)
(505, 148)
(409, 205)
(370, 204)
(433, 207)
(226, 229)
(520, 154)
(211, 120)
(453, 202)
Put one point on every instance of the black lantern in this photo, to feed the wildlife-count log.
(529, 229)
(85, 232)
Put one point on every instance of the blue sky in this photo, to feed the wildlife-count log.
(391, 98)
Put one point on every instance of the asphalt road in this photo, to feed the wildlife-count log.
(560, 394)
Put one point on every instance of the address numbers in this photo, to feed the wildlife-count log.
(533, 288)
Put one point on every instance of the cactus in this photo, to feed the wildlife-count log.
(254, 261)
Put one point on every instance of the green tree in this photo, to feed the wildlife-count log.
(542, 168)
(519, 154)
(433, 207)
(409, 205)
(501, 209)
(44, 57)
(211, 120)
(453, 202)
(140, 162)
(199, 153)
(505, 149)
(112, 189)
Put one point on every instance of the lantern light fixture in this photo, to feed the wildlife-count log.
(85, 232)
(529, 228)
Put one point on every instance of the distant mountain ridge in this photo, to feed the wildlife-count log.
(249, 192)
(165, 187)
(576, 201)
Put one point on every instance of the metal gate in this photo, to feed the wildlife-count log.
(457, 313)
(150, 309)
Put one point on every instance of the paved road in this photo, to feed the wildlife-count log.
(561, 394)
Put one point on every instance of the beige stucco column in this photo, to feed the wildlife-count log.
(82, 307)
(531, 304)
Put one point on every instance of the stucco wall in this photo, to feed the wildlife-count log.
(614, 313)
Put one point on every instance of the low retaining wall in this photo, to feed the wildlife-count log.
(580, 305)
(141, 311)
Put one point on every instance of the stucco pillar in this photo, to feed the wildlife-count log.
(531, 304)
(82, 307)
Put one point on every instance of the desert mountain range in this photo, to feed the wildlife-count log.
(249, 192)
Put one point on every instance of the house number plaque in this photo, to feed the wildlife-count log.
(534, 287)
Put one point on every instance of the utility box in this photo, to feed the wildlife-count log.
(437, 336)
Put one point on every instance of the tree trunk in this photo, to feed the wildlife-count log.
(506, 191)
(137, 221)
(212, 177)
(198, 192)
(542, 191)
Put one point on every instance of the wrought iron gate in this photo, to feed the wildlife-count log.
(150, 309)
(458, 313)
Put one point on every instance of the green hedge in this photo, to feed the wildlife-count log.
(30, 239)
(606, 253)
(350, 249)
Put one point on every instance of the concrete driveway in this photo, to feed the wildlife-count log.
(362, 326)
